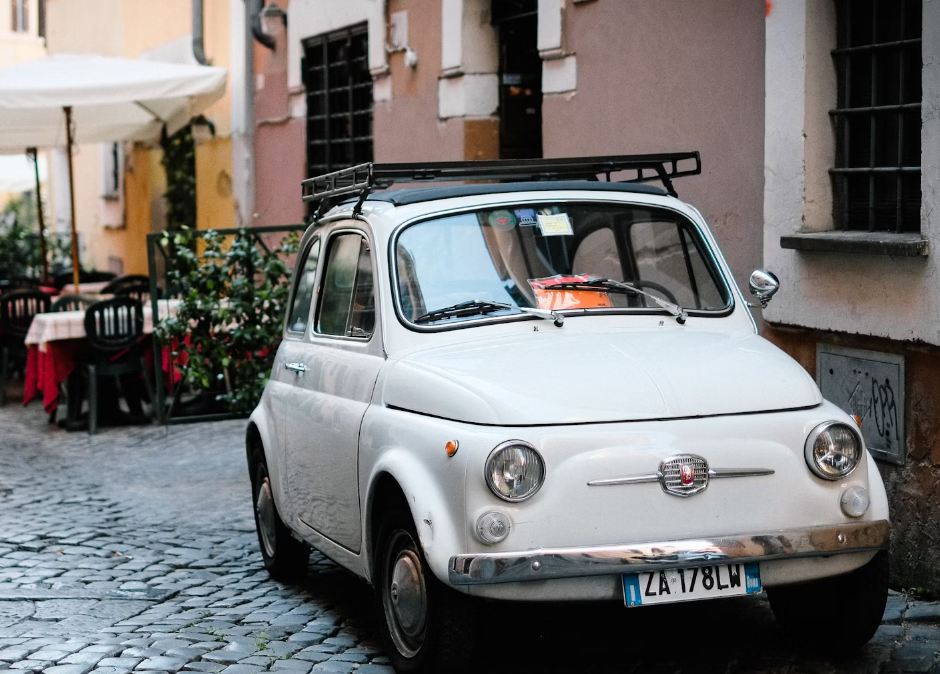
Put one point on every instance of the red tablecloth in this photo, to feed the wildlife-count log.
(45, 370)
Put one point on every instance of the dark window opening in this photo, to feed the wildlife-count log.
(520, 79)
(876, 179)
(339, 100)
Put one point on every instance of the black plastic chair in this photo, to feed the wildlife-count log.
(17, 309)
(65, 277)
(131, 285)
(71, 303)
(114, 329)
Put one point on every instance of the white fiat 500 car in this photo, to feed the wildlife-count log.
(549, 388)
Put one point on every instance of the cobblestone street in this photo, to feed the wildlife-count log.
(135, 550)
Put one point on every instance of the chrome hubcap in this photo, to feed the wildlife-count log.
(405, 595)
(265, 511)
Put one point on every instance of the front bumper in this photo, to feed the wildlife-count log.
(545, 564)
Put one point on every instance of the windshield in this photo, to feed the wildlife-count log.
(553, 256)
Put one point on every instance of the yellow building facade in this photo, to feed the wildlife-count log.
(119, 190)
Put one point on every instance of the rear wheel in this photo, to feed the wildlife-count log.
(426, 625)
(285, 558)
(835, 615)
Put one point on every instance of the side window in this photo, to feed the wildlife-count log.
(300, 307)
(347, 307)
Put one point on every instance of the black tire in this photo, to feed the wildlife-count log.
(834, 615)
(285, 557)
(435, 631)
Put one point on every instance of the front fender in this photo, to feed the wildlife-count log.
(439, 525)
(410, 448)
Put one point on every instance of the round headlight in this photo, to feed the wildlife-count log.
(833, 450)
(514, 470)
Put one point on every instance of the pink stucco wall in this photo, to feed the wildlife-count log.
(672, 75)
(407, 127)
(280, 153)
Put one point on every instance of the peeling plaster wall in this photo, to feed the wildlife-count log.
(406, 125)
(896, 298)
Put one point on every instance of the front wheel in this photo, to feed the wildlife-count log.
(426, 625)
(836, 615)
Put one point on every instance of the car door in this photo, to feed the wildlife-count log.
(337, 364)
(284, 370)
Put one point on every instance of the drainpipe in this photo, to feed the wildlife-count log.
(199, 50)
(256, 7)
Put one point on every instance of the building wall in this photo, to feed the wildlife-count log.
(877, 295)
(407, 127)
(280, 132)
(861, 301)
(673, 76)
(19, 47)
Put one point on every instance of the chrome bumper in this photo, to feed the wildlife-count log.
(548, 563)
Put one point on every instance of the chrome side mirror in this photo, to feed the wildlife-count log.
(764, 285)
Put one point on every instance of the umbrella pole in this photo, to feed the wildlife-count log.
(68, 136)
(43, 256)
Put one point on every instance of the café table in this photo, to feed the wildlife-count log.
(84, 288)
(55, 338)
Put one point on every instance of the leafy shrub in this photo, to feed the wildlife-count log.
(19, 241)
(228, 324)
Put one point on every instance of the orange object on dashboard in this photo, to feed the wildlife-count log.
(553, 299)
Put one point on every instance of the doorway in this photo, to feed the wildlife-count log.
(520, 79)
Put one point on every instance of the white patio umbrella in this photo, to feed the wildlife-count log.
(67, 99)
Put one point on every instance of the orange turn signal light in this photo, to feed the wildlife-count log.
(858, 420)
(451, 447)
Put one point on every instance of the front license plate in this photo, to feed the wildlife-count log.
(703, 582)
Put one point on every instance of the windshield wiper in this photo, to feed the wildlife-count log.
(607, 284)
(471, 308)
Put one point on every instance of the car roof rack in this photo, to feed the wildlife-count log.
(362, 179)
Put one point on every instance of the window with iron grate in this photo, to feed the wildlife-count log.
(339, 100)
(876, 179)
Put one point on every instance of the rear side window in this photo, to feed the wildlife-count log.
(300, 307)
(347, 307)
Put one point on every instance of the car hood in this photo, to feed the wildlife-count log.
(567, 376)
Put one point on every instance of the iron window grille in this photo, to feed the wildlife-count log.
(876, 179)
(339, 100)
(503, 11)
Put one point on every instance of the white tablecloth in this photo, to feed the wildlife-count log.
(57, 325)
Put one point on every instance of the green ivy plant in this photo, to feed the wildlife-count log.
(228, 323)
(19, 241)
(179, 162)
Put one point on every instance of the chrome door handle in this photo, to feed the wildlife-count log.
(299, 368)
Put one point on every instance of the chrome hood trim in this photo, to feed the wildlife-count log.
(545, 564)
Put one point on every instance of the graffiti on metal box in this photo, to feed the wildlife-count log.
(869, 385)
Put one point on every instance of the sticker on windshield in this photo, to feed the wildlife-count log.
(502, 221)
(555, 225)
(525, 217)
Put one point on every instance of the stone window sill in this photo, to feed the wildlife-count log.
(870, 243)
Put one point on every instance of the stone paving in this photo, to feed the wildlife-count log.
(134, 550)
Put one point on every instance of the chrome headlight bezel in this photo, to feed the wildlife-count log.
(504, 446)
(809, 454)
